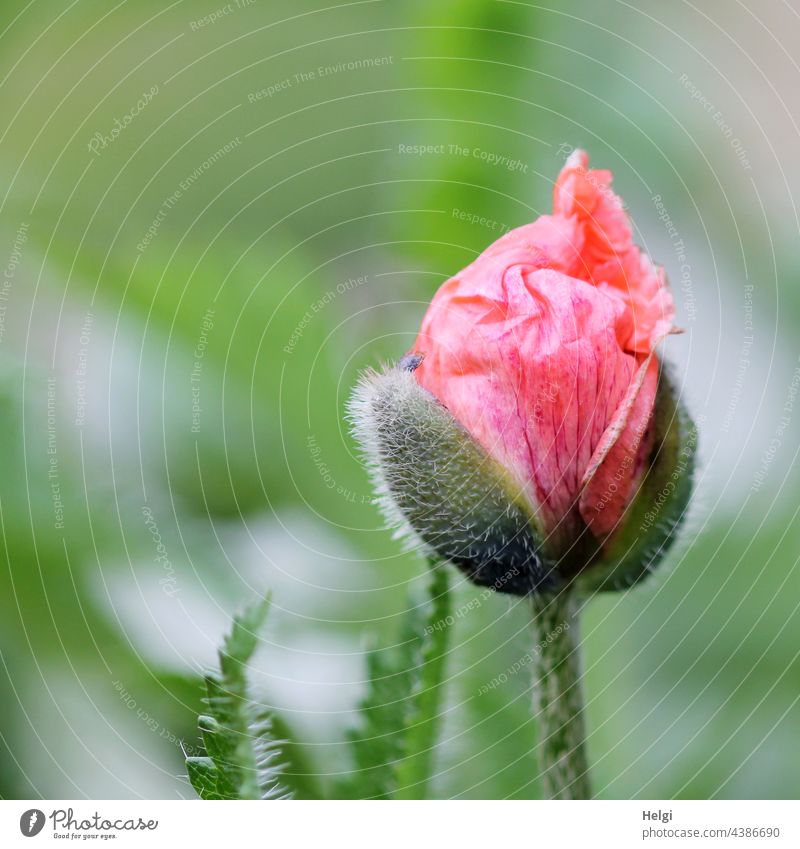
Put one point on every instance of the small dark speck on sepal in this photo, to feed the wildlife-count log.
(411, 362)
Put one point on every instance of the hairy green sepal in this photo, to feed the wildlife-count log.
(437, 486)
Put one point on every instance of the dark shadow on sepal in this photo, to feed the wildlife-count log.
(652, 520)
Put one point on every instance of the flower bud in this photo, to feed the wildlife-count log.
(442, 492)
(532, 428)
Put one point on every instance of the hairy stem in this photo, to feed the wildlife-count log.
(558, 700)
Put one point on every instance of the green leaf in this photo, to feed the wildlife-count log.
(393, 747)
(378, 743)
(242, 756)
(204, 777)
(422, 727)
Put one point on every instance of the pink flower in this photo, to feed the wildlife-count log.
(543, 348)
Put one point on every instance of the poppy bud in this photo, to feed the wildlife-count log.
(531, 437)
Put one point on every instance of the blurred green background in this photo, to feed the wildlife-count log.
(211, 222)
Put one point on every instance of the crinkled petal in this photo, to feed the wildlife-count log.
(543, 348)
(534, 369)
(608, 257)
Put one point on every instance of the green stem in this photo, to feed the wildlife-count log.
(558, 701)
(414, 771)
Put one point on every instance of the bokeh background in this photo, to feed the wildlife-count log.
(210, 221)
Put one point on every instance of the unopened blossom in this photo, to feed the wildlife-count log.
(544, 349)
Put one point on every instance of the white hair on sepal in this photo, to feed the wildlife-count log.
(365, 424)
(438, 490)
